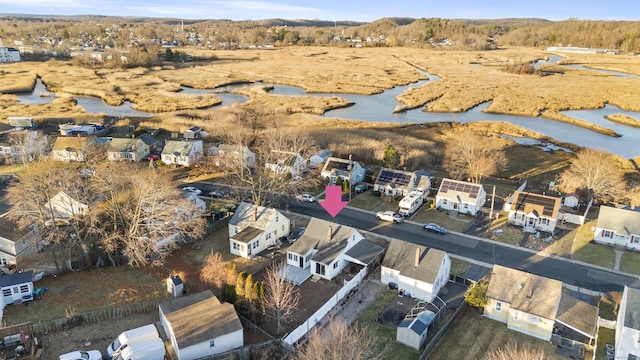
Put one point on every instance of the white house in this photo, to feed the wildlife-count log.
(417, 270)
(319, 158)
(534, 212)
(199, 325)
(347, 170)
(70, 148)
(618, 227)
(460, 196)
(254, 228)
(183, 153)
(63, 206)
(15, 243)
(127, 149)
(281, 162)
(9, 54)
(17, 147)
(627, 338)
(326, 248)
(226, 154)
(17, 288)
(194, 132)
(396, 182)
(412, 331)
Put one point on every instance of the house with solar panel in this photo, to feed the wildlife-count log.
(534, 212)
(617, 226)
(460, 196)
(347, 170)
(392, 182)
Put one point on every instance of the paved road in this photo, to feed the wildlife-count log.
(489, 252)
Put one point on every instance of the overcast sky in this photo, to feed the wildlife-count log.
(357, 10)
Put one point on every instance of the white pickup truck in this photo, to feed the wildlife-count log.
(389, 216)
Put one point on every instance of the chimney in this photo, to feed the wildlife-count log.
(329, 233)
(417, 257)
(255, 214)
(530, 290)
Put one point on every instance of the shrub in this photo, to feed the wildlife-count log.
(376, 193)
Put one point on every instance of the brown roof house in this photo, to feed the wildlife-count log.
(533, 212)
(417, 270)
(199, 325)
(527, 303)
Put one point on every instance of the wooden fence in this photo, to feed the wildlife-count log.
(96, 316)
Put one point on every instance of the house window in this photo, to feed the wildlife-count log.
(498, 306)
(295, 257)
(268, 236)
(319, 269)
(544, 221)
(6, 292)
(635, 239)
(255, 244)
(516, 315)
(235, 245)
(466, 206)
(24, 241)
(4, 262)
(533, 319)
(444, 201)
(607, 234)
(335, 265)
(290, 256)
(276, 218)
(212, 343)
(24, 288)
(307, 258)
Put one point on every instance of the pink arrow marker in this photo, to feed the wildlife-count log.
(333, 200)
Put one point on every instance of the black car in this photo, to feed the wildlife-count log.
(295, 235)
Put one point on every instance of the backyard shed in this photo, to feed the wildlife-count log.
(413, 331)
(17, 288)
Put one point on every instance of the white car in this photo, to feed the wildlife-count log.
(306, 198)
(389, 216)
(82, 355)
(192, 189)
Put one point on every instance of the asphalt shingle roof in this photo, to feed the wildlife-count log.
(401, 256)
(624, 222)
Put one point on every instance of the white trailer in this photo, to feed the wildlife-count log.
(410, 203)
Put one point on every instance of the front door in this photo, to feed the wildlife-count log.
(301, 262)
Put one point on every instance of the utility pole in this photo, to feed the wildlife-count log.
(350, 177)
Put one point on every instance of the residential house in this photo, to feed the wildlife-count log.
(78, 130)
(226, 155)
(151, 142)
(17, 288)
(618, 227)
(194, 132)
(319, 158)
(460, 196)
(283, 162)
(199, 325)
(418, 271)
(17, 147)
(527, 303)
(63, 206)
(127, 149)
(78, 148)
(184, 153)
(412, 331)
(254, 228)
(192, 197)
(9, 54)
(396, 182)
(326, 248)
(15, 243)
(346, 169)
(627, 339)
(534, 212)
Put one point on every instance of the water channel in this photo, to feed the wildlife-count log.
(380, 107)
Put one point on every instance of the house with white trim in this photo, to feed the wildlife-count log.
(534, 212)
(418, 271)
(617, 226)
(17, 288)
(347, 170)
(460, 196)
(627, 339)
(319, 158)
(391, 182)
(226, 155)
(127, 149)
(199, 325)
(183, 153)
(16, 243)
(254, 228)
(326, 248)
(282, 162)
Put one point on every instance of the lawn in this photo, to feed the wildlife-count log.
(605, 336)
(454, 223)
(473, 337)
(630, 262)
(386, 343)
(501, 231)
(584, 250)
(366, 201)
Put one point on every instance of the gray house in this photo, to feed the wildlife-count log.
(345, 169)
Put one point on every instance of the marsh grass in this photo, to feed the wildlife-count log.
(623, 119)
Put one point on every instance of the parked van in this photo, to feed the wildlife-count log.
(149, 350)
(411, 203)
(133, 336)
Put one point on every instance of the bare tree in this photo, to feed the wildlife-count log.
(30, 145)
(593, 174)
(474, 157)
(337, 341)
(217, 273)
(142, 215)
(512, 351)
(281, 296)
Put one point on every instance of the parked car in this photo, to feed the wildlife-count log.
(295, 235)
(192, 189)
(389, 216)
(82, 355)
(435, 228)
(361, 187)
(306, 198)
(218, 194)
(153, 157)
